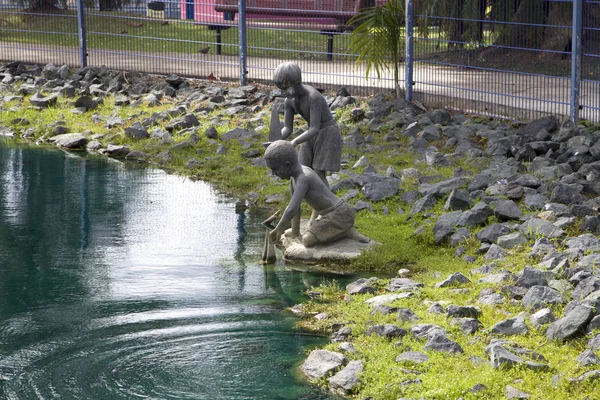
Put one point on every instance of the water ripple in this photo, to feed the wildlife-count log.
(168, 354)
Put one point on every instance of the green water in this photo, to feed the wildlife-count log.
(128, 283)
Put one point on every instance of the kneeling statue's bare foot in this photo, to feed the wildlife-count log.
(292, 234)
(353, 234)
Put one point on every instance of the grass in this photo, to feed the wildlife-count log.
(119, 31)
(131, 32)
(447, 376)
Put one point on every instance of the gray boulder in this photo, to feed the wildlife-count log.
(495, 252)
(423, 331)
(43, 101)
(136, 133)
(587, 358)
(570, 324)
(566, 194)
(69, 140)
(341, 335)
(442, 188)
(458, 200)
(425, 203)
(86, 102)
(403, 284)
(455, 279)
(460, 236)
(499, 356)
(542, 317)
(453, 311)
(491, 233)
(468, 325)
(507, 210)
(478, 215)
(406, 315)
(510, 327)
(361, 286)
(511, 240)
(346, 381)
(440, 342)
(514, 393)
(386, 330)
(380, 190)
(532, 277)
(444, 226)
(542, 296)
(321, 363)
(537, 227)
(114, 150)
(412, 357)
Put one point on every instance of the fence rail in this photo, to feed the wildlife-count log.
(528, 60)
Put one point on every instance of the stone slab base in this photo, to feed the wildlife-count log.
(344, 249)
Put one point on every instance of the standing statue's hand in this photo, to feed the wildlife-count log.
(294, 143)
(285, 133)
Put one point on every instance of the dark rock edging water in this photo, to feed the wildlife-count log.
(538, 180)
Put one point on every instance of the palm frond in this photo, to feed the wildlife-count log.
(377, 39)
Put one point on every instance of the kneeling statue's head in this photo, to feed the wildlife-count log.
(281, 158)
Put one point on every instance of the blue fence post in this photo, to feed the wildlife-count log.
(576, 59)
(81, 31)
(408, 50)
(242, 29)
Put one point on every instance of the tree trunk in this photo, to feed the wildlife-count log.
(109, 5)
(43, 5)
(455, 26)
(557, 40)
(591, 35)
(521, 34)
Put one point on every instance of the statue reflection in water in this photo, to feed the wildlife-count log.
(294, 281)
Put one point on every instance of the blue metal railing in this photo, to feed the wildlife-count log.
(497, 66)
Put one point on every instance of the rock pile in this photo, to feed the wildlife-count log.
(537, 289)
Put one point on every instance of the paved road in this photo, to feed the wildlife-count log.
(471, 90)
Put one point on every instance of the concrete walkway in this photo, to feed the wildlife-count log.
(512, 95)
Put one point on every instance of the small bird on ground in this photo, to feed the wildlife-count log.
(123, 31)
(204, 50)
(135, 25)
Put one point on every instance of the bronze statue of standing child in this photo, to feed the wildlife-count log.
(320, 146)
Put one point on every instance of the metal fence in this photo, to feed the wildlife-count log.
(519, 59)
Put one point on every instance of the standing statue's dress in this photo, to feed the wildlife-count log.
(323, 151)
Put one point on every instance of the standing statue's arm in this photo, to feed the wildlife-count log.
(288, 120)
(314, 125)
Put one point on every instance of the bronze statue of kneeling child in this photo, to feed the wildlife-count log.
(333, 218)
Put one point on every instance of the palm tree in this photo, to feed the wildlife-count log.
(378, 38)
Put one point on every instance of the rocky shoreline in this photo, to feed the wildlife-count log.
(529, 189)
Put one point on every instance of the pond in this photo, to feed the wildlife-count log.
(119, 282)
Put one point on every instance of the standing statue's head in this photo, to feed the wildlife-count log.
(281, 158)
(287, 77)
